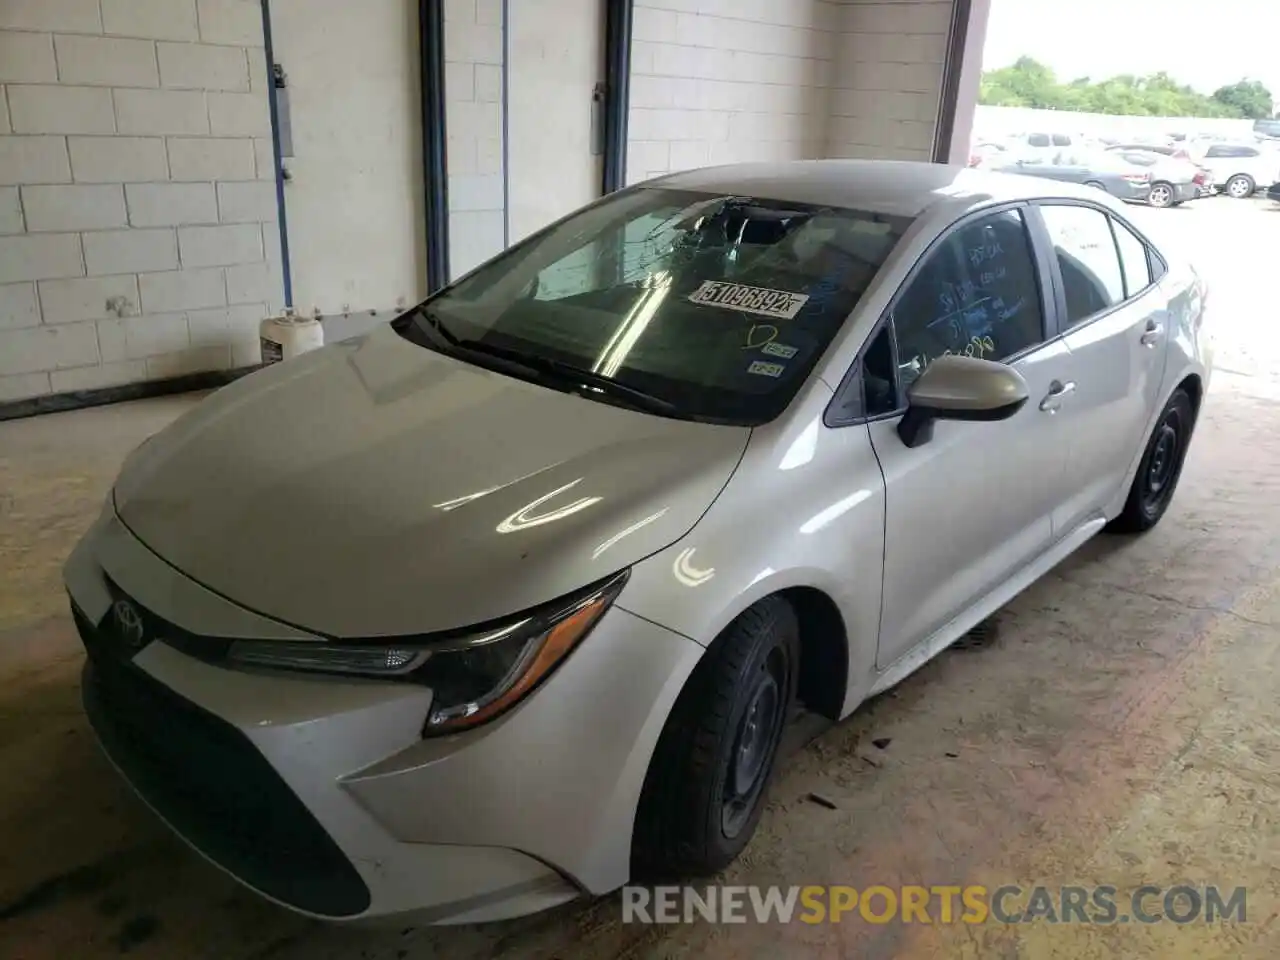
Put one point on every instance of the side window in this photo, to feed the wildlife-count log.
(1061, 140)
(1133, 259)
(1038, 140)
(1156, 266)
(1091, 275)
(977, 294)
(1218, 152)
(879, 385)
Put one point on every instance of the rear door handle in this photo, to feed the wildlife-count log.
(1057, 393)
(1152, 333)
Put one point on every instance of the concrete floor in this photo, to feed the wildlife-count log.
(1121, 728)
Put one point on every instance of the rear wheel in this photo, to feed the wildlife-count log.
(1241, 187)
(1160, 467)
(706, 785)
(1161, 195)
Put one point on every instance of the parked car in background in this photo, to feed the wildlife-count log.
(1099, 169)
(1273, 192)
(1173, 181)
(1165, 149)
(1039, 144)
(1174, 151)
(1238, 169)
(1267, 129)
(984, 152)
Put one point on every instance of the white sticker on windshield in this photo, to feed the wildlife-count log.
(762, 369)
(779, 350)
(758, 300)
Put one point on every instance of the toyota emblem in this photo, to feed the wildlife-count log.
(129, 620)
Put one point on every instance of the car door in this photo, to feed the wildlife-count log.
(1114, 320)
(971, 506)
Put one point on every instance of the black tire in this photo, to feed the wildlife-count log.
(1162, 195)
(684, 825)
(1245, 187)
(1160, 467)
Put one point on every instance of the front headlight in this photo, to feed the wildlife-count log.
(473, 677)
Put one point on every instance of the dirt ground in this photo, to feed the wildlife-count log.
(1121, 727)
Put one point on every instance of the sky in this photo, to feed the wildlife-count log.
(1206, 43)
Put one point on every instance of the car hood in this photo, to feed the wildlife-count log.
(378, 488)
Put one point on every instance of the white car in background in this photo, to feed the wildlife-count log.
(1238, 169)
(1174, 180)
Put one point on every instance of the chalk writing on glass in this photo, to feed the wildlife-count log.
(983, 252)
(978, 347)
(953, 296)
(759, 335)
(1005, 312)
(989, 277)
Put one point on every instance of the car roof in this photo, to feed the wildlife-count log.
(902, 188)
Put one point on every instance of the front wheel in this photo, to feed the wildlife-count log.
(1241, 187)
(1159, 468)
(707, 780)
(1161, 195)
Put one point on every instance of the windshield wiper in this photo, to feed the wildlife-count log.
(570, 373)
(536, 367)
(433, 329)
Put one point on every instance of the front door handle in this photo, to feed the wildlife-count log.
(1058, 391)
(1152, 333)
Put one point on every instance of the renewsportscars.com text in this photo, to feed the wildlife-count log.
(943, 904)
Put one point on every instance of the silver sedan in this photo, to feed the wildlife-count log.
(508, 602)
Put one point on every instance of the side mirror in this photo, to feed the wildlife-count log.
(960, 388)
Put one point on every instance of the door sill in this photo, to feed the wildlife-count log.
(962, 623)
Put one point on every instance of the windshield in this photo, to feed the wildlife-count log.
(716, 307)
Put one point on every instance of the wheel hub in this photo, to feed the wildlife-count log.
(754, 735)
(754, 742)
(1162, 458)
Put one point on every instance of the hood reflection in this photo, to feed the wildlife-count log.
(525, 517)
(595, 554)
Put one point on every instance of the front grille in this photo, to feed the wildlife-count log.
(212, 785)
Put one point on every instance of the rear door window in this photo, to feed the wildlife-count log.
(1088, 260)
(1134, 259)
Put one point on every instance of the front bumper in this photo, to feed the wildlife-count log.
(321, 795)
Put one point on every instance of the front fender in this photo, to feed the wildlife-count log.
(805, 509)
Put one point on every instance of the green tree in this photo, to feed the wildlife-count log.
(1029, 83)
(1249, 97)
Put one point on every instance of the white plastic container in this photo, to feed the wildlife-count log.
(289, 335)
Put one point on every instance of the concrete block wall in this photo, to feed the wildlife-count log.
(725, 81)
(474, 54)
(888, 79)
(138, 234)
